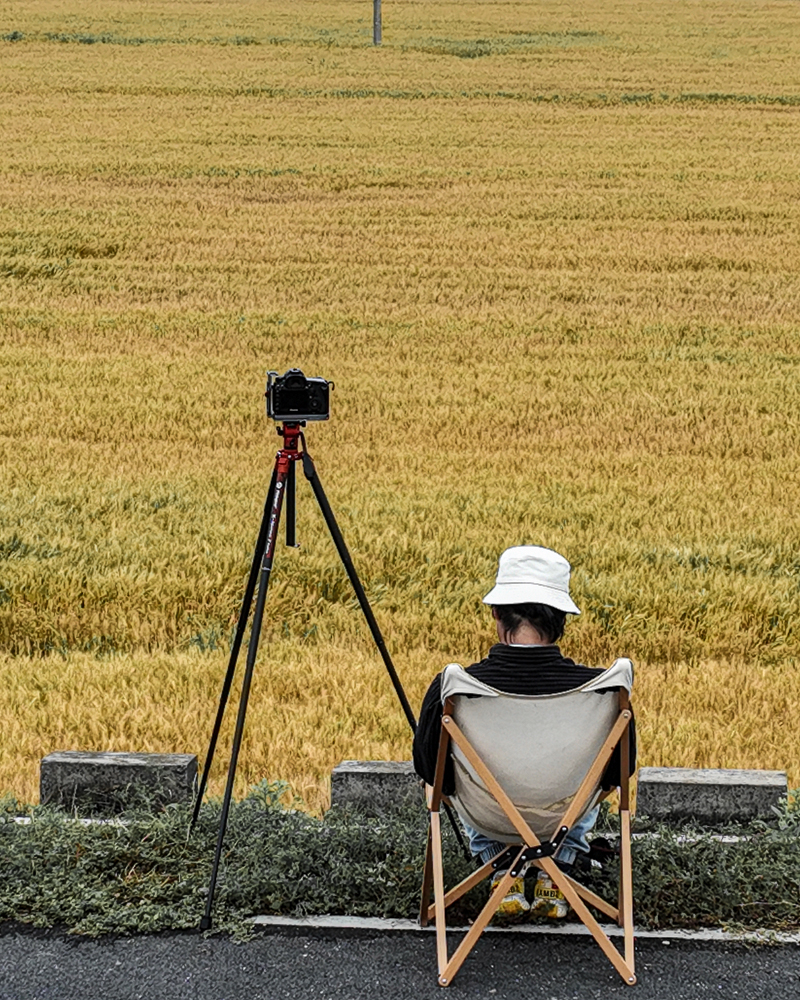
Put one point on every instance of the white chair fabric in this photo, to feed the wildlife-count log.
(538, 747)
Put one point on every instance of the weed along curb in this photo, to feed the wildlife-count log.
(139, 873)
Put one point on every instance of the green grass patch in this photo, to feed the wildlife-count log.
(145, 875)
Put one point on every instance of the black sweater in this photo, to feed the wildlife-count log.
(515, 670)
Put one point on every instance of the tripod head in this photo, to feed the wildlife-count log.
(291, 432)
(292, 399)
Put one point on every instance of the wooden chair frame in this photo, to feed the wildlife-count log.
(576, 894)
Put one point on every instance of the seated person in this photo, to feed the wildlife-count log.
(530, 602)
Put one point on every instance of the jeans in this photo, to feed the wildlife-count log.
(574, 843)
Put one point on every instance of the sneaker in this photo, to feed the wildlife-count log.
(548, 899)
(514, 903)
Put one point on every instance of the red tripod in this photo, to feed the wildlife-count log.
(282, 485)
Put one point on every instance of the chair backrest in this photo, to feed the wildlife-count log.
(538, 747)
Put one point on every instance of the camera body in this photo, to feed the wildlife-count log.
(293, 398)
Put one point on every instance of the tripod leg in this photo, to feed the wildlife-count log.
(252, 651)
(237, 644)
(291, 509)
(310, 473)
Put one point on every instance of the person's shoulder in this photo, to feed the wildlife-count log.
(476, 669)
(591, 671)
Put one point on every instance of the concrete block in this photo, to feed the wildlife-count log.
(375, 787)
(107, 783)
(711, 797)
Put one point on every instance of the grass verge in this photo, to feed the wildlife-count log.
(144, 875)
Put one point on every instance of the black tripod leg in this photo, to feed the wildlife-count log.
(310, 473)
(291, 509)
(252, 651)
(237, 645)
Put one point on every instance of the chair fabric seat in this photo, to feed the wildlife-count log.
(535, 745)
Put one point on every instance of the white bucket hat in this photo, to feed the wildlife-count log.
(530, 574)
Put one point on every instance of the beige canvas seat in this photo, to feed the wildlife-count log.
(527, 767)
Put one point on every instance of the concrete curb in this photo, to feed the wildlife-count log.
(387, 925)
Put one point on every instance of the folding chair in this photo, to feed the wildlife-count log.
(527, 767)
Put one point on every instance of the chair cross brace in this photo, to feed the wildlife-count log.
(544, 850)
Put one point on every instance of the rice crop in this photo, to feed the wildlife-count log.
(548, 255)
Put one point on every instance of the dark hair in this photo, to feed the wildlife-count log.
(549, 622)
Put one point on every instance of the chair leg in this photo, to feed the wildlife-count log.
(626, 886)
(438, 892)
(597, 932)
(447, 974)
(427, 880)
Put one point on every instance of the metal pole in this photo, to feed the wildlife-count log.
(376, 22)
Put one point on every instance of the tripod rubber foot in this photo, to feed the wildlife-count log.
(205, 923)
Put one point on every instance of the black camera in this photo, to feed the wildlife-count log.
(292, 398)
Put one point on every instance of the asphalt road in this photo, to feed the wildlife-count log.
(345, 966)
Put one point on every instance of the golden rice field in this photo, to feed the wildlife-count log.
(550, 256)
